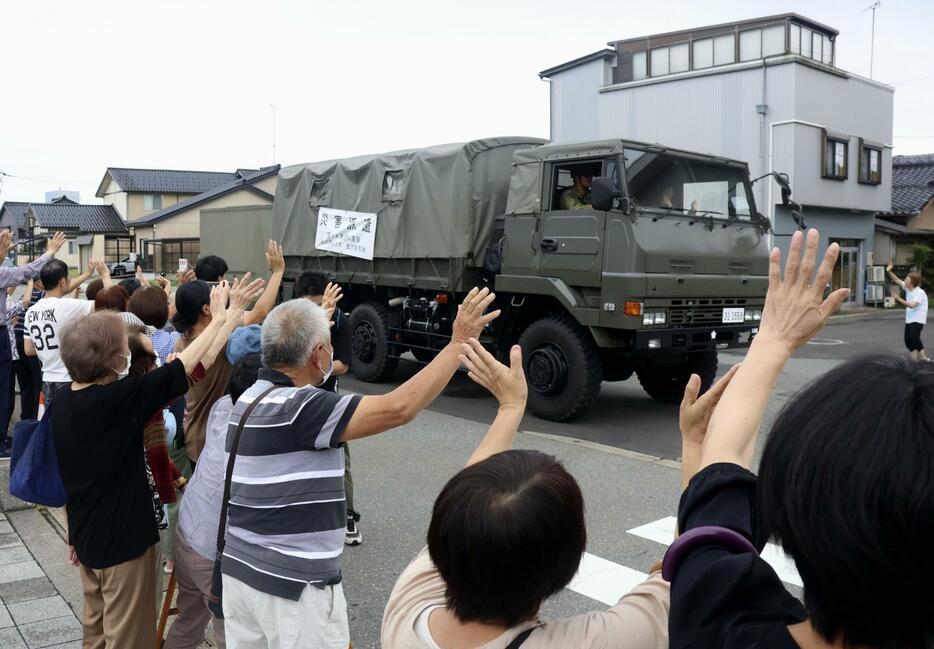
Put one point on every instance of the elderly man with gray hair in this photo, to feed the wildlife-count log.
(282, 559)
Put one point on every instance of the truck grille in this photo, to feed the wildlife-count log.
(700, 311)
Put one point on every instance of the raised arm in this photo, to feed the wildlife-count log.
(895, 278)
(76, 283)
(375, 414)
(103, 271)
(267, 300)
(14, 275)
(693, 419)
(793, 313)
(242, 292)
(508, 385)
(27, 296)
(193, 353)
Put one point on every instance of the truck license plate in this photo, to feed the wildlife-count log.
(734, 316)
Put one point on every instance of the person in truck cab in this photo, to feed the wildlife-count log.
(577, 196)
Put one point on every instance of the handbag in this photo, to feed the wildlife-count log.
(34, 472)
(215, 597)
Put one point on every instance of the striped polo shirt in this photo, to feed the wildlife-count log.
(287, 510)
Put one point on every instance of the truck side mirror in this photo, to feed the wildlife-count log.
(782, 180)
(602, 193)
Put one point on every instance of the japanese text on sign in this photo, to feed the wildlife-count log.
(347, 233)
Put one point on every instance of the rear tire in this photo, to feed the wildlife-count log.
(374, 358)
(666, 383)
(562, 367)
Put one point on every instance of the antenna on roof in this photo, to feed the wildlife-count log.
(872, 41)
(274, 109)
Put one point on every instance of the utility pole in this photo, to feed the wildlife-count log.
(872, 41)
(274, 109)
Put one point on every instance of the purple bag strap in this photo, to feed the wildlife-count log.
(700, 536)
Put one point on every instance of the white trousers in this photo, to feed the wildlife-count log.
(255, 620)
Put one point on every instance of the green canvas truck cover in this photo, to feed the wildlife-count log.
(434, 203)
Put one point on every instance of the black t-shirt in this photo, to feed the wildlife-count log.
(341, 342)
(98, 434)
(721, 599)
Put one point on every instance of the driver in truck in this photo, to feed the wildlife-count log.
(577, 196)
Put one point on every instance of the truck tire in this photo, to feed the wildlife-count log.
(374, 359)
(666, 383)
(562, 367)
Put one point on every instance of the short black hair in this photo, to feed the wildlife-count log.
(846, 485)
(189, 300)
(130, 285)
(52, 273)
(244, 374)
(311, 283)
(507, 533)
(210, 268)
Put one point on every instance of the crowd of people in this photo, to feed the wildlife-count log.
(200, 432)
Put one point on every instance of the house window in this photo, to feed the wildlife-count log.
(172, 251)
(806, 41)
(817, 49)
(750, 45)
(71, 247)
(773, 40)
(828, 51)
(794, 39)
(870, 164)
(117, 248)
(834, 157)
(659, 61)
(638, 66)
(723, 49)
(152, 201)
(703, 53)
(679, 58)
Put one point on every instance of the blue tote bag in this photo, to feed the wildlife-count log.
(34, 474)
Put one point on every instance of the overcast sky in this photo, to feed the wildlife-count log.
(188, 84)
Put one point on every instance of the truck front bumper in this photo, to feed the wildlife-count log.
(695, 338)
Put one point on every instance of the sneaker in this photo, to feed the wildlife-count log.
(352, 536)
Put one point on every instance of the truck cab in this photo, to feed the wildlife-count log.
(655, 281)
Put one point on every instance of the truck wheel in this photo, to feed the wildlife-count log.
(562, 367)
(374, 359)
(666, 383)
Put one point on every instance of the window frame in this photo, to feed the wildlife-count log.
(155, 202)
(864, 147)
(837, 139)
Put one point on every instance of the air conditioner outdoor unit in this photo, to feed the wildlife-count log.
(875, 274)
(874, 292)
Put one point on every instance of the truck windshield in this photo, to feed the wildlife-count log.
(669, 182)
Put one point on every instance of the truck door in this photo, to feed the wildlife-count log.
(571, 243)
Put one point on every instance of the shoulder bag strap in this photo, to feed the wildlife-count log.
(225, 503)
(519, 639)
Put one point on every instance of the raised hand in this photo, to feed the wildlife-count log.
(186, 276)
(332, 295)
(55, 243)
(274, 257)
(507, 384)
(890, 266)
(6, 240)
(141, 276)
(471, 315)
(99, 266)
(243, 292)
(219, 296)
(794, 306)
(695, 412)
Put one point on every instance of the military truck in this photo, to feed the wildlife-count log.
(665, 266)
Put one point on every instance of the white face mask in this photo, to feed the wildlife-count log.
(126, 370)
(327, 374)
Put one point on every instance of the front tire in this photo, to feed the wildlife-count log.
(374, 358)
(665, 383)
(562, 367)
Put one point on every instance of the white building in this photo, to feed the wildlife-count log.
(765, 91)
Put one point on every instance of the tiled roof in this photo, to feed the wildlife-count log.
(14, 213)
(89, 219)
(245, 180)
(165, 181)
(912, 182)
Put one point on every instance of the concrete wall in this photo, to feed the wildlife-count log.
(924, 220)
(115, 196)
(135, 204)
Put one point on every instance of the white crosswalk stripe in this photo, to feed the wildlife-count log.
(607, 581)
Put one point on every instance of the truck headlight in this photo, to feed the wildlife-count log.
(757, 315)
(648, 319)
(660, 317)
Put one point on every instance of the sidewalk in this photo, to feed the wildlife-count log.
(859, 313)
(40, 593)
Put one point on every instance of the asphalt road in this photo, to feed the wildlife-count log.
(625, 417)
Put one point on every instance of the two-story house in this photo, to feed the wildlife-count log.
(162, 207)
(766, 91)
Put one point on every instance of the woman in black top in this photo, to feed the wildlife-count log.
(97, 427)
(846, 485)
